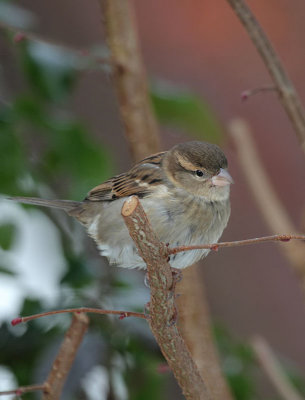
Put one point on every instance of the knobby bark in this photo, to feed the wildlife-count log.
(162, 310)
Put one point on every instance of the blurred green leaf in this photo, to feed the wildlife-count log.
(144, 380)
(238, 364)
(12, 162)
(6, 271)
(7, 233)
(50, 69)
(187, 111)
(73, 150)
(78, 274)
(30, 307)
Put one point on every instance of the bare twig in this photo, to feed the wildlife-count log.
(288, 95)
(273, 370)
(65, 356)
(252, 92)
(25, 389)
(268, 202)
(129, 78)
(162, 306)
(237, 243)
(88, 310)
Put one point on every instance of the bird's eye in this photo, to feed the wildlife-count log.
(198, 172)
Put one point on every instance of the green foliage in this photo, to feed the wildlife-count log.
(63, 151)
(49, 69)
(238, 364)
(186, 111)
(78, 275)
(144, 380)
(7, 232)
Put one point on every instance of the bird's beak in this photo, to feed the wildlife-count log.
(223, 178)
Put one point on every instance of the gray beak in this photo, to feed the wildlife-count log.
(223, 178)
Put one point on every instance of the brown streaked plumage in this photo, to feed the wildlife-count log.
(184, 191)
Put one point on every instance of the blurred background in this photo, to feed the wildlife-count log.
(60, 134)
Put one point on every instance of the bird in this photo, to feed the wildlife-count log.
(185, 192)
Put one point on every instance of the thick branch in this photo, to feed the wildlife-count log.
(288, 95)
(129, 78)
(194, 325)
(162, 306)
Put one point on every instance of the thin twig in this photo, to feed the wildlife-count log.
(162, 304)
(87, 310)
(252, 92)
(129, 78)
(270, 206)
(287, 93)
(25, 389)
(236, 243)
(273, 370)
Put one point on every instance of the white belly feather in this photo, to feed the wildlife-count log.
(196, 221)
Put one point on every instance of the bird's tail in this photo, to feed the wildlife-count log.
(66, 205)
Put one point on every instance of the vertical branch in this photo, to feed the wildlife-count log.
(195, 325)
(162, 304)
(142, 135)
(288, 95)
(129, 78)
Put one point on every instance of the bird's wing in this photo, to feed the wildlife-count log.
(139, 181)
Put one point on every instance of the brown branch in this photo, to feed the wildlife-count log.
(65, 357)
(252, 92)
(142, 136)
(287, 93)
(24, 389)
(236, 243)
(122, 314)
(270, 206)
(53, 385)
(129, 78)
(195, 326)
(273, 370)
(162, 304)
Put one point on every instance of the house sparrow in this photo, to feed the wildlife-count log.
(184, 192)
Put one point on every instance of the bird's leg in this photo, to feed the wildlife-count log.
(146, 280)
(177, 276)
